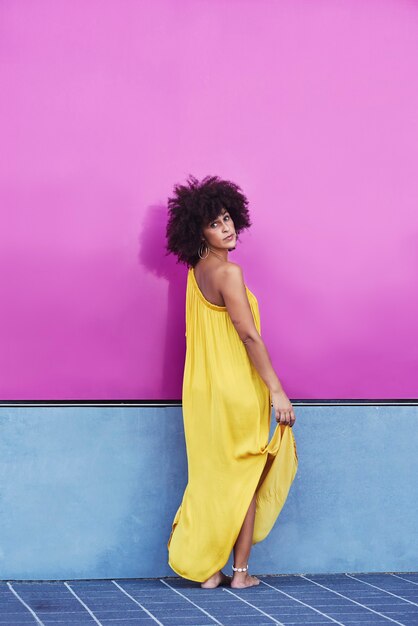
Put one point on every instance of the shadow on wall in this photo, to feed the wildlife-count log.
(154, 258)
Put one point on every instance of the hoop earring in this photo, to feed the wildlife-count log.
(201, 249)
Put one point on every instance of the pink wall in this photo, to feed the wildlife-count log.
(310, 106)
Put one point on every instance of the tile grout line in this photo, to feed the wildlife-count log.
(381, 589)
(402, 578)
(84, 604)
(191, 602)
(138, 603)
(304, 603)
(39, 621)
(254, 607)
(390, 619)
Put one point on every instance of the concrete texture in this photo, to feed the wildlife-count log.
(90, 492)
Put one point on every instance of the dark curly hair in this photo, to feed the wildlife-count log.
(195, 205)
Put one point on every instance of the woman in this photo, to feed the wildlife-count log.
(238, 481)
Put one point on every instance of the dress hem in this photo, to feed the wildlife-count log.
(224, 562)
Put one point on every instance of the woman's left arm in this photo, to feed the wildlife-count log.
(234, 294)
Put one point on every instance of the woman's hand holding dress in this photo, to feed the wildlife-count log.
(283, 408)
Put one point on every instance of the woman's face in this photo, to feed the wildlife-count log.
(220, 233)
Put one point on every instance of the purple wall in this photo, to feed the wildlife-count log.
(311, 107)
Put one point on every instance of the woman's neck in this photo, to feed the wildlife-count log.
(221, 254)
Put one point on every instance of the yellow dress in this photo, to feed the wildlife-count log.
(226, 414)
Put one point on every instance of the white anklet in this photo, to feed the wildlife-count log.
(240, 569)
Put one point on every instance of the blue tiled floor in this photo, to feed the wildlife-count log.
(347, 599)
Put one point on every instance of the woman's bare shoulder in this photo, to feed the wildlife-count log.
(229, 273)
(231, 269)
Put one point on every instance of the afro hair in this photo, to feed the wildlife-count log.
(193, 206)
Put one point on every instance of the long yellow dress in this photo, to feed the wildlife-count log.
(226, 414)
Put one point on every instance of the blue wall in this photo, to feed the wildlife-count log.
(90, 492)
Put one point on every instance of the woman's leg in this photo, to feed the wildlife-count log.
(244, 540)
(242, 549)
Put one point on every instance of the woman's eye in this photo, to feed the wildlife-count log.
(226, 217)
(212, 225)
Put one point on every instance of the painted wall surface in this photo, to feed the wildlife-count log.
(311, 107)
(91, 492)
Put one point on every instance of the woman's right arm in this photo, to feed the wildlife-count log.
(232, 288)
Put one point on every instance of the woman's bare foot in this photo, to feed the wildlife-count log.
(217, 579)
(241, 580)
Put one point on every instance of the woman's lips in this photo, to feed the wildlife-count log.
(230, 237)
